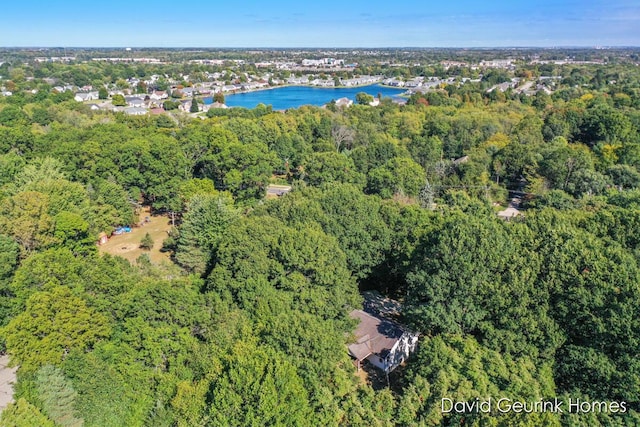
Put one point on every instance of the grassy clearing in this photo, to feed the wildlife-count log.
(127, 245)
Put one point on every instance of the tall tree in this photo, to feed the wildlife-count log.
(203, 225)
(194, 108)
(57, 396)
(53, 324)
(25, 217)
(23, 414)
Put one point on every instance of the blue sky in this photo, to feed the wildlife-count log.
(320, 23)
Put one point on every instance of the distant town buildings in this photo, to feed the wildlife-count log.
(319, 68)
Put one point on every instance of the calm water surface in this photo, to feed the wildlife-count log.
(296, 96)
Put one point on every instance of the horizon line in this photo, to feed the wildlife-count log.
(596, 47)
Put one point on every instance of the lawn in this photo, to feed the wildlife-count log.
(127, 245)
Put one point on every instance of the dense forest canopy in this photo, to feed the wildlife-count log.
(248, 323)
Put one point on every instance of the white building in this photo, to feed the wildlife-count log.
(385, 344)
(86, 96)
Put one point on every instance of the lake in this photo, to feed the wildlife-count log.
(284, 98)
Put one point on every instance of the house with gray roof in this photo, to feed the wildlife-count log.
(86, 96)
(134, 101)
(381, 341)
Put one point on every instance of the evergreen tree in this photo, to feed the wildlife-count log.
(194, 106)
(147, 242)
(203, 225)
(57, 396)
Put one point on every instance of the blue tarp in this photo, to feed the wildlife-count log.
(121, 230)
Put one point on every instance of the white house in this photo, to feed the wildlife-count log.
(158, 95)
(135, 111)
(344, 102)
(218, 105)
(384, 343)
(134, 101)
(86, 96)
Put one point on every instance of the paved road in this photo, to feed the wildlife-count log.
(7, 378)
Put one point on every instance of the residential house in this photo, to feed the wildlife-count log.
(158, 95)
(189, 91)
(383, 342)
(393, 82)
(134, 101)
(413, 83)
(136, 111)
(460, 160)
(185, 105)
(322, 83)
(298, 80)
(274, 191)
(344, 103)
(362, 80)
(61, 89)
(313, 62)
(86, 96)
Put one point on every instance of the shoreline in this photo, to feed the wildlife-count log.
(207, 100)
(303, 85)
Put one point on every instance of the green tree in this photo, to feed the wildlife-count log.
(72, 231)
(363, 98)
(112, 388)
(343, 212)
(258, 387)
(147, 242)
(260, 258)
(9, 251)
(13, 115)
(170, 105)
(25, 217)
(57, 396)
(400, 175)
(461, 369)
(325, 167)
(38, 171)
(204, 223)
(197, 186)
(118, 100)
(194, 106)
(23, 414)
(10, 165)
(103, 93)
(46, 270)
(190, 403)
(218, 97)
(54, 323)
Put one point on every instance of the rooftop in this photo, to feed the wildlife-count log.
(373, 335)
